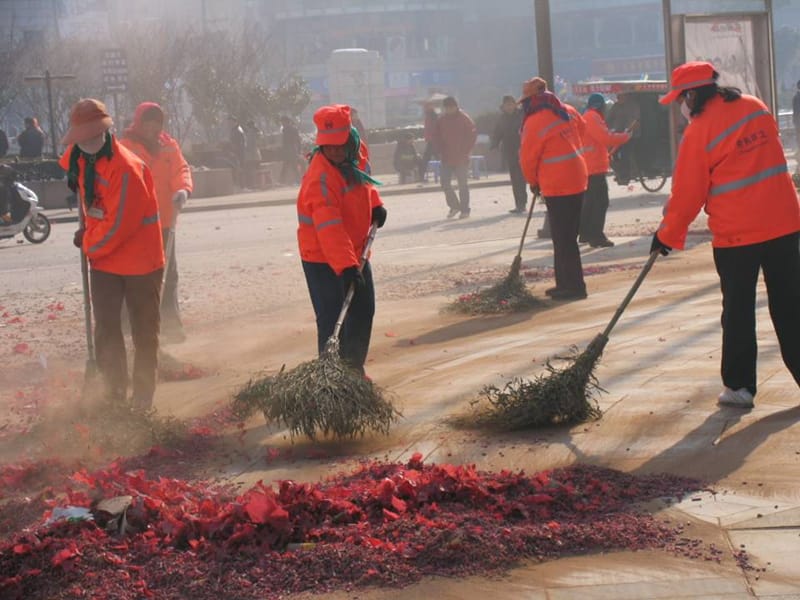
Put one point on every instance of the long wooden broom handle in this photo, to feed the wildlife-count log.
(527, 223)
(87, 298)
(351, 292)
(645, 270)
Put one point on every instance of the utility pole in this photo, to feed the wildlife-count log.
(48, 79)
(544, 42)
(544, 57)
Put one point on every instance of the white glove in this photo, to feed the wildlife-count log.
(180, 198)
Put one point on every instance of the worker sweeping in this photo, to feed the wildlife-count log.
(731, 164)
(550, 157)
(598, 140)
(121, 238)
(173, 183)
(336, 206)
(339, 211)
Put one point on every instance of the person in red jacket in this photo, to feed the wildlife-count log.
(456, 136)
(597, 143)
(121, 238)
(550, 157)
(731, 164)
(173, 181)
(336, 207)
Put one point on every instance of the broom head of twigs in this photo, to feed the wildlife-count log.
(509, 295)
(559, 396)
(324, 396)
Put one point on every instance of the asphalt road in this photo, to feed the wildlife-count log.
(417, 243)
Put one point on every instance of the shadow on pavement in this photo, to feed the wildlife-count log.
(470, 327)
(708, 453)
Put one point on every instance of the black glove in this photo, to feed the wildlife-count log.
(352, 276)
(379, 216)
(77, 238)
(535, 190)
(659, 246)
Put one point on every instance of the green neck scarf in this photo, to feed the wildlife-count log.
(89, 170)
(349, 168)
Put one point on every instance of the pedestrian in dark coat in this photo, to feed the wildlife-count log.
(506, 135)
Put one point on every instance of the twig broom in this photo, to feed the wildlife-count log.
(324, 395)
(509, 295)
(557, 397)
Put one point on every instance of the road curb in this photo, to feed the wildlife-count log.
(73, 216)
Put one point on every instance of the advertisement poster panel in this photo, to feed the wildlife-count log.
(727, 43)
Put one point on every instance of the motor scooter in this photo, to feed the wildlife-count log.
(27, 216)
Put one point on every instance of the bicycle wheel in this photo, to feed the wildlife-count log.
(653, 183)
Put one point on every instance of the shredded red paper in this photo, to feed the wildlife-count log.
(383, 524)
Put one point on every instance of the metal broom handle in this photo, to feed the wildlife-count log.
(645, 270)
(352, 290)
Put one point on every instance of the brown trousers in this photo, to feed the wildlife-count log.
(142, 294)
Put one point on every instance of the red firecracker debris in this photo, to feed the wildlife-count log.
(383, 524)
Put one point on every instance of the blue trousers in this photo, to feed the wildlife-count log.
(327, 293)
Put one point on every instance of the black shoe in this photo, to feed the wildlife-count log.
(453, 212)
(550, 291)
(562, 294)
(583, 240)
(464, 214)
(604, 243)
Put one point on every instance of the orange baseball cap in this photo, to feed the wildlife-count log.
(87, 119)
(688, 76)
(333, 125)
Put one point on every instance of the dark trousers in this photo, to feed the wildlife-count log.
(738, 269)
(327, 293)
(170, 310)
(141, 294)
(593, 212)
(565, 215)
(462, 173)
(518, 183)
(427, 155)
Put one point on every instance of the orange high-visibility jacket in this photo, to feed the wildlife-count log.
(170, 172)
(550, 154)
(577, 121)
(123, 230)
(731, 162)
(598, 141)
(334, 217)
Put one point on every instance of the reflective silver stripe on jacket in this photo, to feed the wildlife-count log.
(543, 131)
(150, 220)
(744, 182)
(323, 184)
(734, 127)
(120, 210)
(303, 219)
(101, 180)
(95, 213)
(326, 223)
(563, 157)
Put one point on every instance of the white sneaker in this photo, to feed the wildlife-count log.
(741, 398)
